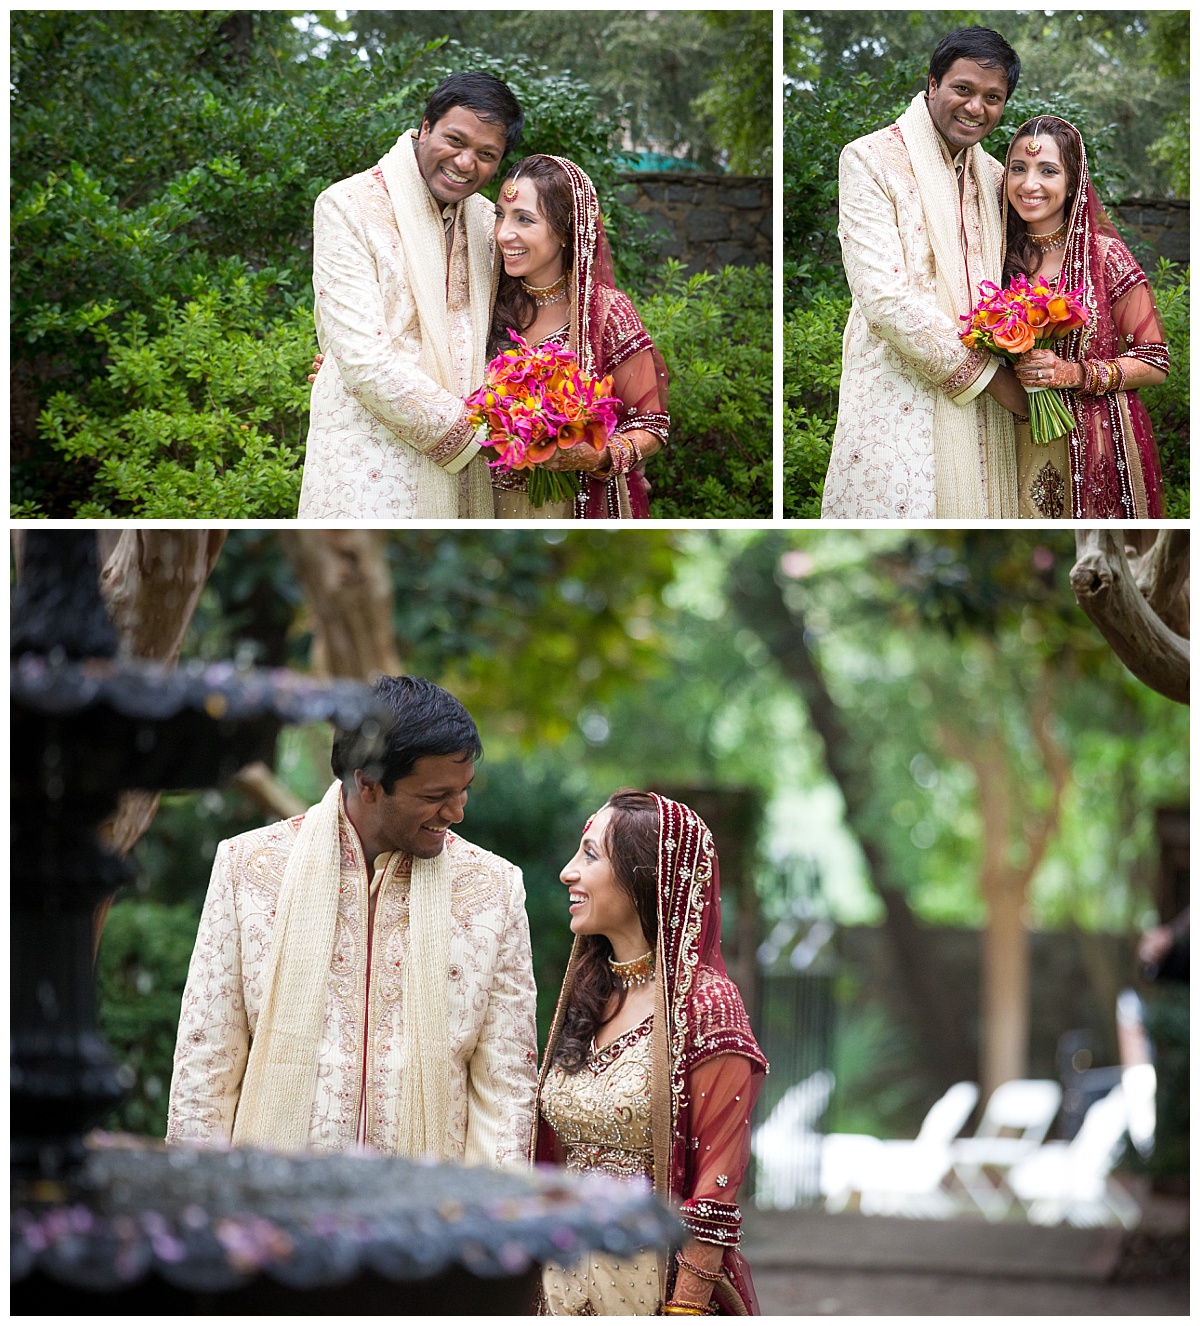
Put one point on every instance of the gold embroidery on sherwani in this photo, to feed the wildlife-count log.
(490, 993)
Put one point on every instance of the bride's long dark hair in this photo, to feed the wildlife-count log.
(631, 845)
(1021, 254)
(514, 307)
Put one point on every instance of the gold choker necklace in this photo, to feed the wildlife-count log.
(637, 972)
(546, 294)
(1054, 240)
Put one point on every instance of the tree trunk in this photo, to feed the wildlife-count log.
(1140, 609)
(756, 597)
(1005, 809)
(151, 580)
(1004, 1008)
(347, 583)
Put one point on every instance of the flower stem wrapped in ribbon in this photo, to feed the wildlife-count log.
(534, 401)
(1026, 316)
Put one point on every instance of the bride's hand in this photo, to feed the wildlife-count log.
(318, 360)
(582, 456)
(1043, 368)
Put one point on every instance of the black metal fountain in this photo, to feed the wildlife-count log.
(105, 1224)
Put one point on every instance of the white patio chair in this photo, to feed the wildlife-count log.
(1017, 1118)
(899, 1177)
(786, 1150)
(1069, 1181)
(1140, 1084)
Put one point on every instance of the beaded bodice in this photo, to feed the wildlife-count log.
(601, 1114)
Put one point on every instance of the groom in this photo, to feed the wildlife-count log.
(925, 426)
(362, 976)
(402, 269)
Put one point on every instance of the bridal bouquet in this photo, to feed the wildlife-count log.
(535, 400)
(1027, 316)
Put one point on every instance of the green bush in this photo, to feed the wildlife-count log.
(140, 972)
(714, 332)
(818, 121)
(200, 413)
(1170, 404)
(812, 367)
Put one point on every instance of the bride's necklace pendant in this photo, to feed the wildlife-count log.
(1054, 240)
(637, 972)
(547, 294)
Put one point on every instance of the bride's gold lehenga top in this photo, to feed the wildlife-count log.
(601, 1114)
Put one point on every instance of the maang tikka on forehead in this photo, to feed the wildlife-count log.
(1033, 147)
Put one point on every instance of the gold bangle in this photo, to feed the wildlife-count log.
(674, 1309)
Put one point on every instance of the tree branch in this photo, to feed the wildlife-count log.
(1163, 574)
(1106, 591)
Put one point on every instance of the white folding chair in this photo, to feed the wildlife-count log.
(899, 1177)
(1017, 1118)
(786, 1150)
(1069, 1181)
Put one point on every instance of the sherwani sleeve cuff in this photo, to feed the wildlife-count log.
(972, 378)
(458, 448)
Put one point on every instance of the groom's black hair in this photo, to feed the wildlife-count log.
(427, 720)
(484, 94)
(983, 45)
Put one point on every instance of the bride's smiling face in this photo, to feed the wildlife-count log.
(530, 247)
(1037, 184)
(596, 901)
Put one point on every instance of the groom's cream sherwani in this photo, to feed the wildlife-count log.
(403, 297)
(490, 989)
(901, 349)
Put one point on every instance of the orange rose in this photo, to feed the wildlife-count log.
(1016, 341)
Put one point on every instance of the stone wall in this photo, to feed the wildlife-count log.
(706, 221)
(1162, 222)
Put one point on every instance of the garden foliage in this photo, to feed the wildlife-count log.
(714, 332)
(140, 972)
(164, 168)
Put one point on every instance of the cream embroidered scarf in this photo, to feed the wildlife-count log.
(277, 1091)
(967, 484)
(423, 241)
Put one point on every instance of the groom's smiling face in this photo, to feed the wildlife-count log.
(967, 104)
(459, 154)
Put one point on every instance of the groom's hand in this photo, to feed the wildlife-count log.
(1008, 391)
(318, 360)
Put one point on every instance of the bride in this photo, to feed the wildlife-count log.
(651, 1070)
(1057, 230)
(556, 285)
